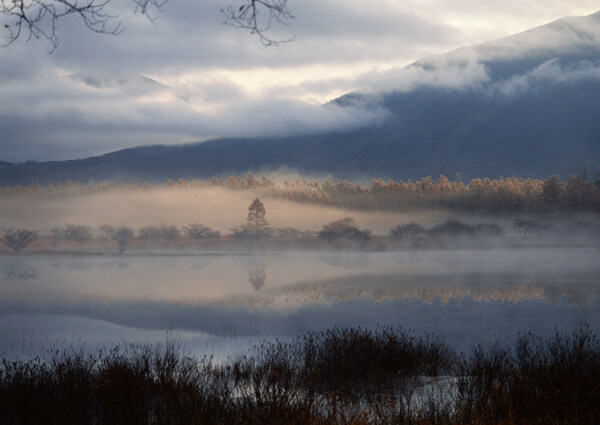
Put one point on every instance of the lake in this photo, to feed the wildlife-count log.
(219, 304)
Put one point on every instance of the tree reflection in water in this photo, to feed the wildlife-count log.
(257, 275)
(19, 270)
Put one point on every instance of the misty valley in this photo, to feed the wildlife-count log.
(391, 218)
(268, 295)
(227, 261)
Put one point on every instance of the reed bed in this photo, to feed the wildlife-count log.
(349, 376)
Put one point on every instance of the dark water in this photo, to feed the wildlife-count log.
(219, 304)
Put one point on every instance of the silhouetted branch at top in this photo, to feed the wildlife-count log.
(39, 18)
(258, 16)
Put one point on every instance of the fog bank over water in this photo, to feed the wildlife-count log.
(296, 278)
(217, 208)
(471, 278)
(222, 209)
(466, 296)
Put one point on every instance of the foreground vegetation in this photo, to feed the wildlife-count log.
(338, 376)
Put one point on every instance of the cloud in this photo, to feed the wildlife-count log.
(129, 109)
(438, 74)
(205, 79)
(549, 72)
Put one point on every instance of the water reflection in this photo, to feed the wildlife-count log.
(346, 260)
(466, 296)
(580, 289)
(257, 275)
(72, 264)
(19, 270)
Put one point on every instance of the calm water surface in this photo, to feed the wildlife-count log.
(219, 304)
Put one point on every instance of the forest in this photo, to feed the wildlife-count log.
(509, 210)
(579, 192)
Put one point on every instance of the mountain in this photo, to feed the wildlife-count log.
(526, 105)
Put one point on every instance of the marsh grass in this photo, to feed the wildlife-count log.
(337, 376)
(540, 380)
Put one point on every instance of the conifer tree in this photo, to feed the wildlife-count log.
(256, 217)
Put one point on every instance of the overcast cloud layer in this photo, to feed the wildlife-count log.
(187, 77)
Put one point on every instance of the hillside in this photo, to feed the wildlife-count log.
(526, 105)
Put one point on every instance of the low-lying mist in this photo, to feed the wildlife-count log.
(218, 208)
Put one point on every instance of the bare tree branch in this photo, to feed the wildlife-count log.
(39, 18)
(258, 16)
(146, 6)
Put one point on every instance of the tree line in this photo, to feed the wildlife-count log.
(579, 192)
(342, 232)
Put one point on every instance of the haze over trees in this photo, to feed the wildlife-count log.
(522, 206)
(345, 228)
(105, 231)
(256, 226)
(527, 226)
(161, 232)
(409, 230)
(512, 195)
(73, 232)
(200, 231)
(123, 235)
(18, 239)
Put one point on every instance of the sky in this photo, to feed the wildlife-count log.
(184, 76)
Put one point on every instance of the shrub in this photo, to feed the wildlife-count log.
(356, 360)
(345, 228)
(162, 232)
(407, 230)
(488, 229)
(336, 376)
(249, 233)
(105, 231)
(200, 231)
(75, 232)
(123, 235)
(527, 226)
(453, 228)
(552, 380)
(18, 239)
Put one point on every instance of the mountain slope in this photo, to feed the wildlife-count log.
(524, 105)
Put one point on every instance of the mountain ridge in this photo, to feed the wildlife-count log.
(525, 105)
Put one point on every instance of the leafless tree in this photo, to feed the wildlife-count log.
(18, 239)
(161, 232)
(77, 232)
(105, 231)
(39, 18)
(200, 231)
(123, 235)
